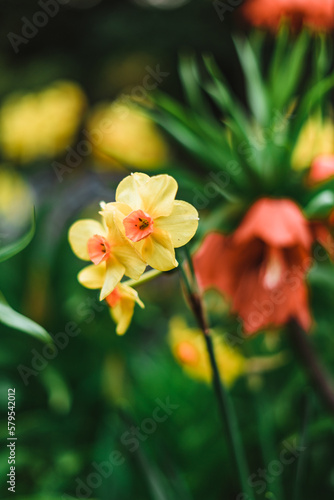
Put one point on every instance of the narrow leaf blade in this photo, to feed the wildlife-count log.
(17, 246)
(13, 319)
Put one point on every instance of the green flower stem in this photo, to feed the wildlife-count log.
(226, 408)
(321, 381)
(300, 480)
(148, 276)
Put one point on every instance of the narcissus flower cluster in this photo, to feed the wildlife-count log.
(142, 227)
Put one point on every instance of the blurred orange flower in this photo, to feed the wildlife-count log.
(314, 14)
(322, 168)
(262, 265)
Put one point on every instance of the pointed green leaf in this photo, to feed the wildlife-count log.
(314, 96)
(190, 79)
(322, 56)
(17, 246)
(224, 98)
(322, 275)
(256, 91)
(321, 205)
(288, 70)
(15, 320)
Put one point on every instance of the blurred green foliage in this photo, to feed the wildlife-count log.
(73, 408)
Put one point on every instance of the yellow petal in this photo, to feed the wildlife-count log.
(158, 251)
(114, 222)
(154, 195)
(115, 212)
(114, 273)
(122, 315)
(181, 224)
(129, 293)
(122, 249)
(158, 195)
(79, 234)
(93, 276)
(128, 190)
(193, 358)
(131, 259)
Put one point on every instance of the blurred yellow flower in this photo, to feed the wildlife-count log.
(40, 124)
(122, 301)
(151, 218)
(316, 138)
(111, 252)
(188, 347)
(16, 202)
(120, 133)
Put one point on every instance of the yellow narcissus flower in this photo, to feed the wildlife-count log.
(122, 302)
(151, 218)
(112, 254)
(188, 347)
(316, 138)
(121, 133)
(41, 124)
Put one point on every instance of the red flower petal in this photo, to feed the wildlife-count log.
(322, 168)
(278, 223)
(113, 298)
(98, 249)
(262, 266)
(138, 225)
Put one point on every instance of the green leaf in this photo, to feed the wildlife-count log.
(280, 51)
(321, 205)
(287, 70)
(15, 320)
(256, 91)
(13, 248)
(224, 98)
(312, 98)
(322, 56)
(57, 389)
(322, 275)
(190, 79)
(213, 154)
(198, 125)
